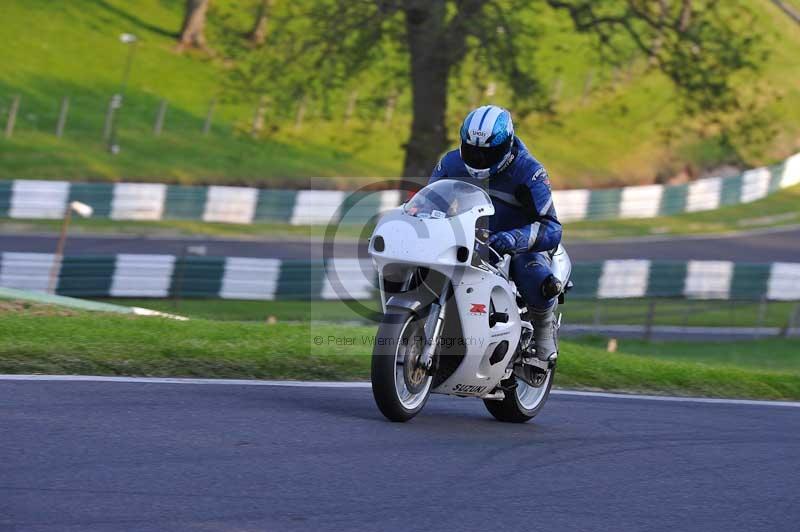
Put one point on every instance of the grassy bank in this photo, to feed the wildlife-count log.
(74, 51)
(40, 339)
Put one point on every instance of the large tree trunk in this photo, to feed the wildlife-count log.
(194, 23)
(259, 32)
(430, 68)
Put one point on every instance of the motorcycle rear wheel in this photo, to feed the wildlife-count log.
(400, 389)
(524, 402)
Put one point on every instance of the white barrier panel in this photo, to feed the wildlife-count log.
(704, 194)
(708, 279)
(142, 275)
(624, 278)
(316, 206)
(247, 278)
(571, 205)
(38, 199)
(26, 271)
(230, 204)
(349, 279)
(641, 202)
(390, 199)
(755, 184)
(138, 201)
(784, 281)
(791, 171)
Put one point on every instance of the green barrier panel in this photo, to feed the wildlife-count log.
(300, 279)
(197, 276)
(185, 203)
(750, 281)
(666, 279)
(603, 204)
(275, 205)
(585, 278)
(5, 197)
(731, 192)
(86, 276)
(776, 174)
(97, 195)
(673, 200)
(360, 207)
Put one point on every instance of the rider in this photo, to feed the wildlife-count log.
(525, 223)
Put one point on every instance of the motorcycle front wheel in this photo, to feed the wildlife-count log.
(524, 402)
(400, 387)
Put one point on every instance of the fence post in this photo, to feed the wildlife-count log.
(597, 312)
(391, 103)
(587, 86)
(762, 314)
(62, 117)
(558, 86)
(301, 113)
(109, 122)
(12, 116)
(209, 116)
(258, 117)
(794, 317)
(351, 107)
(162, 112)
(649, 319)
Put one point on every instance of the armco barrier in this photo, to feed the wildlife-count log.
(159, 276)
(243, 205)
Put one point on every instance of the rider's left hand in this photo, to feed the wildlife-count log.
(502, 242)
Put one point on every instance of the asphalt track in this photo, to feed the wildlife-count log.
(756, 247)
(108, 456)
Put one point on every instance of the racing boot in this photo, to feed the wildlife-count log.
(544, 333)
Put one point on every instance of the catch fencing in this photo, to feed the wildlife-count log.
(162, 276)
(34, 199)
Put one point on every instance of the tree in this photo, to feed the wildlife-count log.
(698, 44)
(259, 32)
(192, 33)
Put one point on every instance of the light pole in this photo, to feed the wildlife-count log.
(83, 210)
(116, 101)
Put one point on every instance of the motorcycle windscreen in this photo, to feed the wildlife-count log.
(446, 198)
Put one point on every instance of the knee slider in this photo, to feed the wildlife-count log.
(551, 286)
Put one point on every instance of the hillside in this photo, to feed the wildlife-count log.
(608, 129)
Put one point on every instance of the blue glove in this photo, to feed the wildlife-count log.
(503, 242)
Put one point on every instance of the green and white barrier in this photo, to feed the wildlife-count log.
(245, 205)
(159, 276)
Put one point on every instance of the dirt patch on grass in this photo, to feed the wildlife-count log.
(34, 309)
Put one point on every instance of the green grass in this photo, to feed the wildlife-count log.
(584, 311)
(774, 354)
(611, 137)
(41, 339)
(258, 311)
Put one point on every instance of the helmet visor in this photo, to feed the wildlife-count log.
(484, 157)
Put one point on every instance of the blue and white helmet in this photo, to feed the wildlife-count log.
(487, 136)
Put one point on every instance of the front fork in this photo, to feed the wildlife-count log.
(433, 328)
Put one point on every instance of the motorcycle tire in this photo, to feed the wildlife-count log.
(514, 408)
(398, 337)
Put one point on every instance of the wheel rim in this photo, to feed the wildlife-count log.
(409, 348)
(530, 397)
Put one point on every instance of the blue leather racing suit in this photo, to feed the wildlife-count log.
(523, 205)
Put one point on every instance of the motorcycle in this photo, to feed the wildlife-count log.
(453, 321)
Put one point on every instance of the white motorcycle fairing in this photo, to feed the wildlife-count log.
(406, 242)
